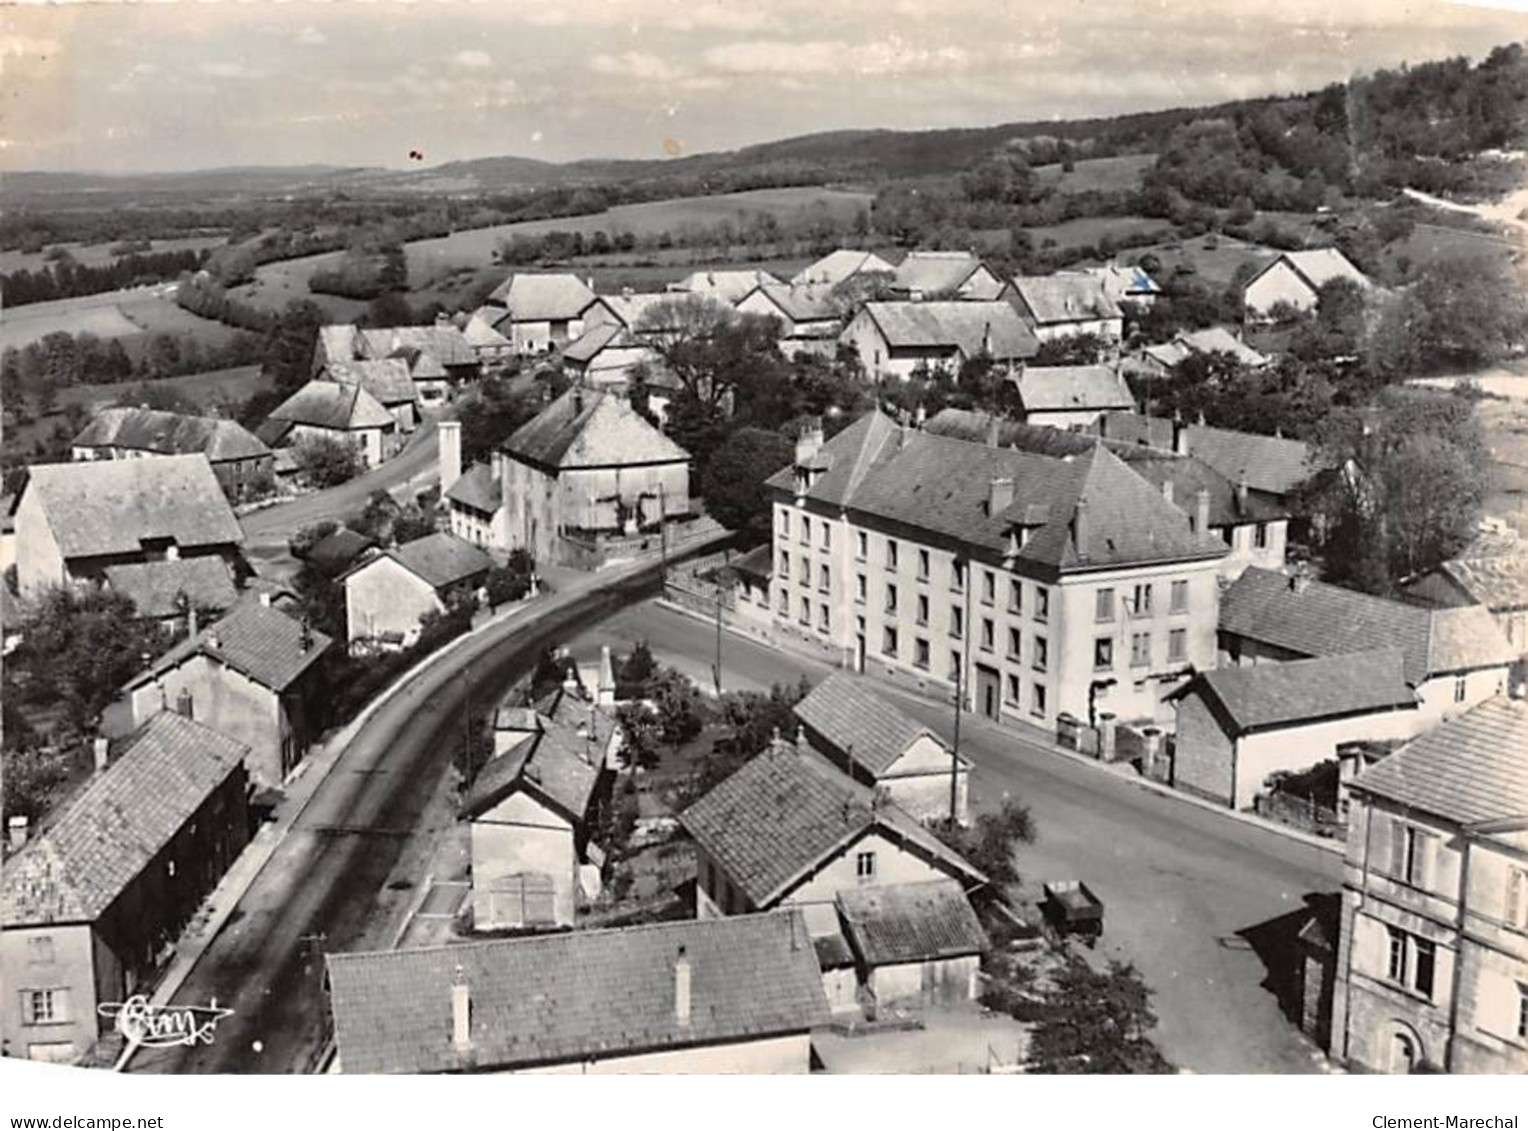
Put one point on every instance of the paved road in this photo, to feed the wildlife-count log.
(266, 531)
(1179, 882)
(316, 892)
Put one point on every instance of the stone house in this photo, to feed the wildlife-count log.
(388, 595)
(845, 263)
(538, 312)
(173, 592)
(897, 339)
(1065, 305)
(726, 287)
(738, 995)
(809, 317)
(917, 943)
(90, 905)
(330, 410)
(958, 275)
(1498, 582)
(388, 380)
(1070, 397)
(242, 463)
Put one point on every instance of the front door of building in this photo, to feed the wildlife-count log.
(988, 696)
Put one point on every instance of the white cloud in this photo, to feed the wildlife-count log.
(310, 36)
(636, 65)
(818, 57)
(721, 17)
(228, 71)
(473, 60)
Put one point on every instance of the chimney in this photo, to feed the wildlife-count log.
(1241, 496)
(496, 465)
(578, 399)
(102, 749)
(999, 495)
(682, 989)
(987, 339)
(191, 620)
(184, 704)
(1180, 437)
(265, 598)
(1080, 527)
(1299, 581)
(809, 443)
(1167, 490)
(604, 692)
(461, 1013)
(450, 441)
(589, 282)
(442, 319)
(1201, 511)
(16, 828)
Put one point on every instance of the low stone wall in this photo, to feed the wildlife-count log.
(1301, 813)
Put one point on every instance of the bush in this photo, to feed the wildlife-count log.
(328, 463)
(302, 542)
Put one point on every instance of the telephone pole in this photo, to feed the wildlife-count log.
(955, 751)
(716, 668)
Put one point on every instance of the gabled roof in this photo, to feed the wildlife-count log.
(576, 995)
(936, 274)
(1217, 339)
(170, 433)
(587, 345)
(75, 868)
(635, 311)
(1268, 696)
(970, 327)
(264, 644)
(541, 298)
(1058, 299)
(337, 550)
(591, 428)
(441, 342)
(870, 731)
(842, 264)
(800, 302)
(1470, 768)
(479, 332)
(724, 286)
(478, 488)
(334, 405)
(1061, 388)
(336, 343)
(552, 764)
(788, 811)
(113, 506)
(942, 486)
(439, 559)
(1326, 620)
(1265, 463)
(1496, 582)
(387, 379)
(1317, 267)
(155, 588)
(891, 924)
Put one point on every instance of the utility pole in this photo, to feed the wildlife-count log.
(716, 668)
(663, 533)
(955, 752)
(467, 756)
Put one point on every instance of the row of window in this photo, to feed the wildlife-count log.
(1140, 649)
(922, 660)
(1139, 603)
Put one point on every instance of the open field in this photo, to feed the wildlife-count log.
(1213, 258)
(98, 254)
(1088, 230)
(126, 315)
(1099, 174)
(1430, 243)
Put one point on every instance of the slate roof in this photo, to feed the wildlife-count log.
(478, 488)
(541, 298)
(260, 642)
(1268, 696)
(842, 264)
(800, 302)
(1326, 620)
(155, 587)
(1060, 388)
(936, 274)
(888, 924)
(335, 405)
(112, 506)
(969, 327)
(443, 343)
(1317, 266)
(479, 332)
(1470, 768)
(74, 869)
(591, 428)
(576, 995)
(941, 486)
(871, 731)
(757, 562)
(551, 764)
(1265, 463)
(170, 433)
(387, 379)
(1498, 582)
(724, 286)
(1058, 299)
(787, 811)
(441, 559)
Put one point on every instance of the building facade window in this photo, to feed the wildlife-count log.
(785, 524)
(1522, 1011)
(920, 653)
(988, 634)
(785, 565)
(864, 866)
(1037, 700)
(1014, 640)
(957, 621)
(1260, 536)
(1177, 645)
(889, 641)
(1459, 689)
(1103, 653)
(1179, 598)
(1140, 650)
(1103, 606)
(1012, 688)
(1042, 604)
(954, 664)
(823, 578)
(958, 576)
(923, 565)
(1040, 654)
(891, 598)
(783, 603)
(806, 531)
(1015, 596)
(922, 608)
(989, 587)
(891, 553)
(822, 618)
(806, 611)
(859, 588)
(861, 544)
(826, 539)
(44, 1007)
(1140, 603)
(1411, 855)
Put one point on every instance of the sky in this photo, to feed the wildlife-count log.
(182, 85)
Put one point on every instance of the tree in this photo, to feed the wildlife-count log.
(991, 842)
(327, 462)
(754, 719)
(732, 480)
(1469, 312)
(510, 581)
(680, 713)
(1096, 1022)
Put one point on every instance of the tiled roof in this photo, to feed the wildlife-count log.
(871, 731)
(936, 274)
(256, 640)
(636, 311)
(1498, 583)
(757, 562)
(170, 433)
(889, 924)
(787, 811)
(724, 286)
(553, 764)
(803, 302)
(155, 587)
(478, 488)
(1304, 691)
(542, 298)
(1217, 339)
(1134, 428)
(971, 327)
(1265, 463)
(591, 428)
(1470, 768)
(942, 485)
(442, 559)
(1059, 388)
(73, 870)
(577, 995)
(387, 379)
(842, 264)
(1318, 266)
(1054, 299)
(331, 404)
(1325, 620)
(339, 549)
(593, 340)
(99, 507)
(479, 332)
(443, 343)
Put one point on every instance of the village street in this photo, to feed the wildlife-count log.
(1192, 895)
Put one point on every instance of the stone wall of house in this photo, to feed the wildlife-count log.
(1204, 753)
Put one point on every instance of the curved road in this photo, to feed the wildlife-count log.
(315, 893)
